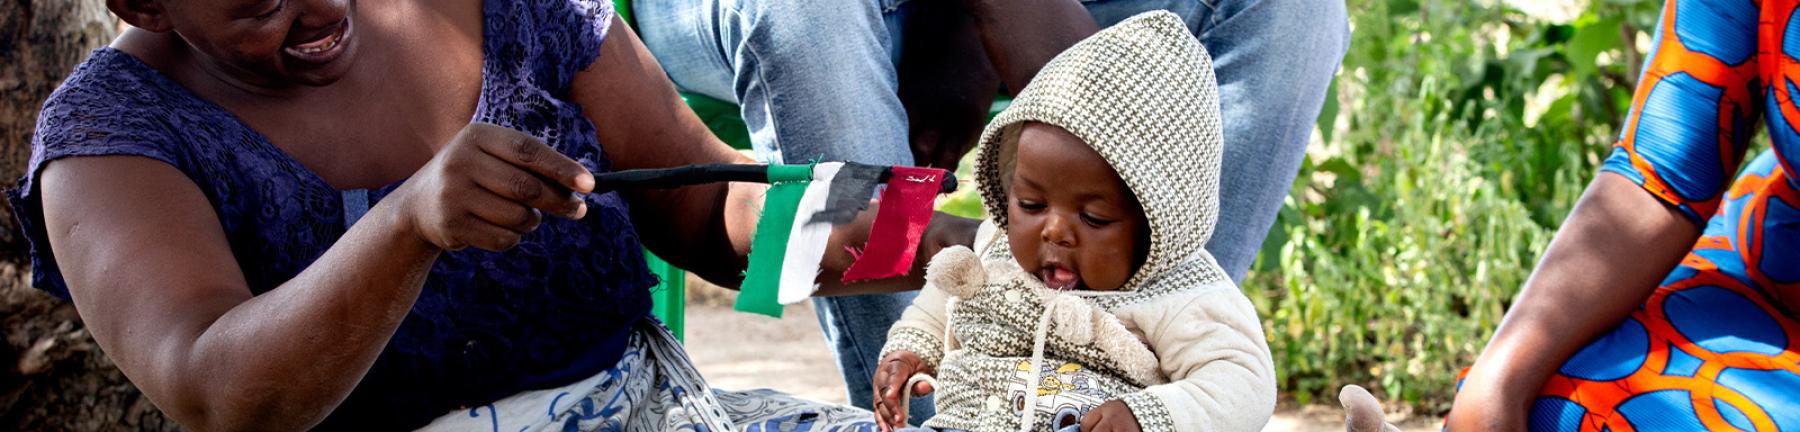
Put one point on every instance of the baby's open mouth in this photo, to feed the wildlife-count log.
(1058, 277)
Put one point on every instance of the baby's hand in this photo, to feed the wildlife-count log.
(1112, 416)
(890, 378)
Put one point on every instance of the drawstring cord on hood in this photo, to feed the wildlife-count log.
(1038, 337)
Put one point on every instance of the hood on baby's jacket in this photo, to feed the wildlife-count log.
(1142, 94)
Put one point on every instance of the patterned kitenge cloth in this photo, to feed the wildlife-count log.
(1713, 348)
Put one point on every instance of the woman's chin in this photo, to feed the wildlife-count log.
(318, 78)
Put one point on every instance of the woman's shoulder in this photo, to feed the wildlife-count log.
(558, 37)
(110, 103)
(110, 92)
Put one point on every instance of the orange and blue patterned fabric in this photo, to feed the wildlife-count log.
(1713, 348)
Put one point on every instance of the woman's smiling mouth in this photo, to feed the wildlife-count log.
(321, 50)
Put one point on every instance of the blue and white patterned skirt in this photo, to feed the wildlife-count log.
(654, 387)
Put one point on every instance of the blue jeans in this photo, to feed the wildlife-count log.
(820, 81)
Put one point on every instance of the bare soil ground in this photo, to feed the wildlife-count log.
(58, 379)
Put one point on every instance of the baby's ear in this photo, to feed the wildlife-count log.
(1362, 413)
(957, 271)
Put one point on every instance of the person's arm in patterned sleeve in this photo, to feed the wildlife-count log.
(1690, 117)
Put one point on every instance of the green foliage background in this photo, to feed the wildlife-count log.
(1458, 136)
(1455, 139)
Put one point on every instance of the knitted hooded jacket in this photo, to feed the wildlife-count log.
(1178, 343)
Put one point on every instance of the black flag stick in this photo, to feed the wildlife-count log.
(666, 178)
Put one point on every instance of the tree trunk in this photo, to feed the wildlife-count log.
(52, 375)
(40, 41)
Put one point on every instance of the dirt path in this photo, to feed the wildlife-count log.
(742, 351)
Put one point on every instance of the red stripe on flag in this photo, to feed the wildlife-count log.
(905, 211)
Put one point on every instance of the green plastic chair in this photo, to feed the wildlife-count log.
(670, 295)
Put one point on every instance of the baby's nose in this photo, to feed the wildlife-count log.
(1057, 231)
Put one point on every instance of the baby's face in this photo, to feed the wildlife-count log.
(1071, 221)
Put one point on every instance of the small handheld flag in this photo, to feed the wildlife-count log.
(801, 206)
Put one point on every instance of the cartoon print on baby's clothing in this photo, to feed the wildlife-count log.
(1065, 392)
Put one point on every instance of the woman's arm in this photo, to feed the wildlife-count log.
(1616, 245)
(1634, 223)
(706, 229)
(152, 275)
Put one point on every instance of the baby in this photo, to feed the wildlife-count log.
(1089, 300)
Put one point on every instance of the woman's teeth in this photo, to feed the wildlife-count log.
(321, 45)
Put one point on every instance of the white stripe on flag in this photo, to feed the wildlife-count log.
(806, 243)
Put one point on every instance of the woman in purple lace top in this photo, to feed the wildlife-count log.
(281, 214)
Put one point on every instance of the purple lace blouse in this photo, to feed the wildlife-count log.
(554, 309)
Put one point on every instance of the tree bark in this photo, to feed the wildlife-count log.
(40, 42)
(52, 375)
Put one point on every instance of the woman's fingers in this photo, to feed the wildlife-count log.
(511, 182)
(505, 213)
(465, 230)
(491, 237)
(489, 187)
(530, 154)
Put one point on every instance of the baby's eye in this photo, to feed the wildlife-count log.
(1095, 221)
(1031, 206)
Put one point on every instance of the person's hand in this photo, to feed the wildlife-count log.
(945, 231)
(891, 375)
(1112, 416)
(489, 187)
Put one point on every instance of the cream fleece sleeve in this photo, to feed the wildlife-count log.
(921, 328)
(1211, 346)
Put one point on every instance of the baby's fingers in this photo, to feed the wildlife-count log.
(891, 416)
(1092, 420)
(881, 420)
(920, 386)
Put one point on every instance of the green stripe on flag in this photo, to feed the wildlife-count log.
(769, 246)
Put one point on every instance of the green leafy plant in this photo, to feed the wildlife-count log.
(1455, 139)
